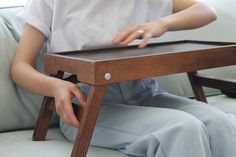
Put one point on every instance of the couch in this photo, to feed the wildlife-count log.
(19, 108)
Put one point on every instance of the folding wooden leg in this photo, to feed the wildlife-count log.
(45, 115)
(44, 119)
(226, 85)
(88, 116)
(197, 89)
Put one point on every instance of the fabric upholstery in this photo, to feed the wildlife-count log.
(18, 108)
(223, 29)
(19, 144)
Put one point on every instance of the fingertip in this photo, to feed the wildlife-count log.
(81, 97)
(141, 46)
(116, 39)
(76, 124)
(83, 100)
(74, 121)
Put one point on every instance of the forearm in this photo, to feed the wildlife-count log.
(195, 16)
(23, 72)
(27, 77)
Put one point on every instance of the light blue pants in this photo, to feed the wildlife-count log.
(158, 124)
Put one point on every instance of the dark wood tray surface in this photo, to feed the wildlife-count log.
(152, 49)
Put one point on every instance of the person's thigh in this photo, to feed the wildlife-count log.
(199, 109)
(147, 131)
(220, 126)
(125, 123)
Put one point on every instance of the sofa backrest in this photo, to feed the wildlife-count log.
(223, 29)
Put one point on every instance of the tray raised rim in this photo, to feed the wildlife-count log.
(142, 66)
(66, 54)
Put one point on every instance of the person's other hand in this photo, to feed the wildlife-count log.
(143, 31)
(63, 92)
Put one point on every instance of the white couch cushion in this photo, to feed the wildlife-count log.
(223, 29)
(19, 144)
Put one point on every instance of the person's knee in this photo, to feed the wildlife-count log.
(192, 126)
(220, 122)
(186, 133)
(184, 126)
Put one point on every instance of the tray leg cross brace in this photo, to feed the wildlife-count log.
(87, 117)
(226, 85)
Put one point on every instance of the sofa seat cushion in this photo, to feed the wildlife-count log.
(223, 102)
(19, 144)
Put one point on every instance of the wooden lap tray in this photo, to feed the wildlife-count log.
(100, 67)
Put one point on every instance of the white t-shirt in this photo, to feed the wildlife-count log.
(82, 24)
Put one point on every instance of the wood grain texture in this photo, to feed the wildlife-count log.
(197, 89)
(225, 84)
(131, 63)
(43, 121)
(152, 63)
(88, 117)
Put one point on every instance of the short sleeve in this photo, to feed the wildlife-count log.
(38, 13)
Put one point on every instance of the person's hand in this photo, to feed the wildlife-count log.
(63, 92)
(143, 31)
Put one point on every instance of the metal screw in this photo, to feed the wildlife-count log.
(107, 76)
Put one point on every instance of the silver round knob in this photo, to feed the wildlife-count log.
(107, 76)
